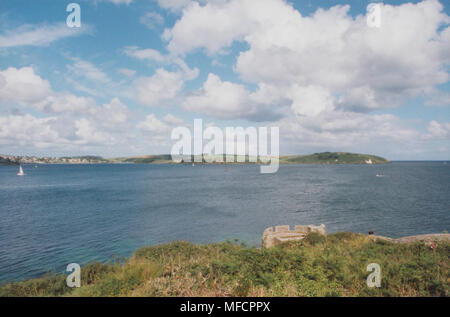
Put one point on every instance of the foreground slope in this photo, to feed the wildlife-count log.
(316, 266)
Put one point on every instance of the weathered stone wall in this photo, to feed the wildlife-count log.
(279, 234)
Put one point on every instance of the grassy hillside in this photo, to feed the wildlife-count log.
(91, 158)
(155, 159)
(332, 158)
(316, 266)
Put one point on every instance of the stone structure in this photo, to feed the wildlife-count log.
(427, 238)
(273, 236)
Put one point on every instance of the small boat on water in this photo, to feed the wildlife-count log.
(21, 173)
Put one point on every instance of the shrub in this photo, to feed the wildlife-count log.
(314, 238)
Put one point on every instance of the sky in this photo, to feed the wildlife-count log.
(136, 69)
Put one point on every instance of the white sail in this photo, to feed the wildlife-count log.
(21, 173)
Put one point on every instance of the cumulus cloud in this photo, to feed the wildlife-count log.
(22, 85)
(171, 119)
(159, 88)
(73, 121)
(64, 102)
(27, 130)
(153, 124)
(365, 68)
(342, 130)
(310, 100)
(438, 130)
(87, 133)
(158, 131)
(113, 115)
(221, 99)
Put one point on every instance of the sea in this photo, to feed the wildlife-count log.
(61, 214)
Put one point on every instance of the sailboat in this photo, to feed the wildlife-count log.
(21, 173)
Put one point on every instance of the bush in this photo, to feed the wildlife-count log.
(314, 238)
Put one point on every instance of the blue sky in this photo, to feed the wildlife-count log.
(136, 69)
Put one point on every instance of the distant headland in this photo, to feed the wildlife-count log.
(316, 158)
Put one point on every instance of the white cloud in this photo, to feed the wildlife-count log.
(310, 100)
(113, 115)
(152, 20)
(85, 69)
(221, 99)
(227, 22)
(438, 98)
(127, 2)
(127, 72)
(76, 124)
(345, 130)
(156, 131)
(163, 85)
(155, 56)
(27, 130)
(65, 102)
(87, 133)
(39, 35)
(228, 100)
(22, 86)
(174, 5)
(171, 119)
(153, 125)
(438, 130)
(144, 54)
(159, 88)
(367, 68)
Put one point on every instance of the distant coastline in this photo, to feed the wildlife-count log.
(316, 158)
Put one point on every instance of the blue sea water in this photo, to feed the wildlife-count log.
(59, 214)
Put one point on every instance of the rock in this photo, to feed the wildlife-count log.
(273, 236)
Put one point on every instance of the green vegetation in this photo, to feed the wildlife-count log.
(316, 158)
(316, 266)
(332, 158)
(155, 159)
(91, 158)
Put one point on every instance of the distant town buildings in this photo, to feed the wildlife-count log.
(10, 159)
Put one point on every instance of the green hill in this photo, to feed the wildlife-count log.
(332, 158)
(146, 159)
